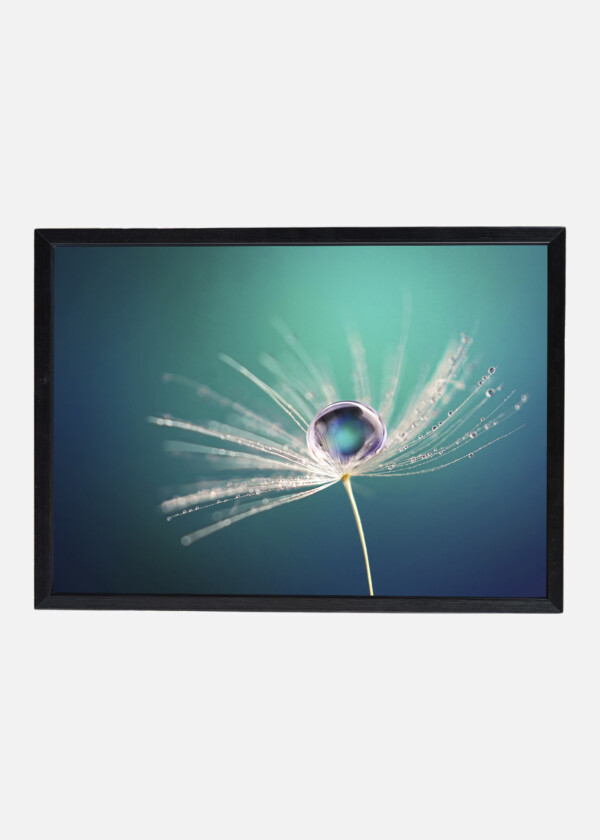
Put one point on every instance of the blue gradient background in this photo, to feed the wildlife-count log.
(123, 316)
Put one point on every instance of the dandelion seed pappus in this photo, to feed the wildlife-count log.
(325, 438)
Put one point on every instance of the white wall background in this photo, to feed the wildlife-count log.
(317, 113)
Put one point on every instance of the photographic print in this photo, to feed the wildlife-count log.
(298, 420)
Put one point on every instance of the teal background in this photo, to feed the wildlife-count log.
(123, 316)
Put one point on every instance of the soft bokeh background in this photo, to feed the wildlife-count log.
(125, 315)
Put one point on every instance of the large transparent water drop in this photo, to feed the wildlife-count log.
(345, 432)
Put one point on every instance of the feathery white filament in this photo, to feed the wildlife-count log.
(437, 427)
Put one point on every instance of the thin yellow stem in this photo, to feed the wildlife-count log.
(348, 486)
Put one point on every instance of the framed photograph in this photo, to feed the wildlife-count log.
(300, 419)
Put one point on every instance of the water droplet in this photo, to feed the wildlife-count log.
(482, 419)
(390, 466)
(433, 428)
(480, 382)
(420, 436)
(471, 454)
(487, 426)
(346, 431)
(524, 398)
(450, 413)
(473, 434)
(518, 407)
(492, 370)
(412, 460)
(490, 392)
(484, 377)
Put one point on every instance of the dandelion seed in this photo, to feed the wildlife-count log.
(328, 439)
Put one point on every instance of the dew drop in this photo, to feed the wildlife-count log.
(412, 460)
(492, 370)
(524, 398)
(490, 392)
(433, 428)
(450, 413)
(473, 434)
(518, 407)
(345, 431)
(471, 454)
(482, 419)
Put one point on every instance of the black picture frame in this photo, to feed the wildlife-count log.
(45, 242)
